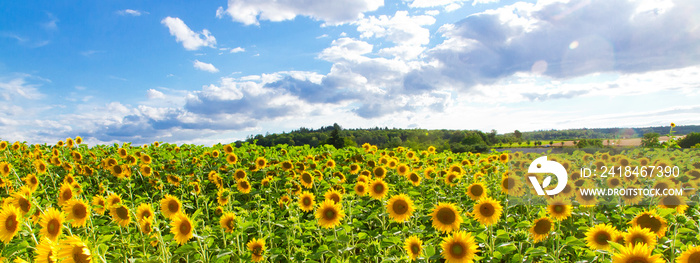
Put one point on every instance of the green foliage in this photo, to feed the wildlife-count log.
(651, 140)
(690, 140)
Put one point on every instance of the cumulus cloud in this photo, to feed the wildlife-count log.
(237, 49)
(154, 94)
(190, 40)
(251, 12)
(561, 40)
(205, 66)
(18, 87)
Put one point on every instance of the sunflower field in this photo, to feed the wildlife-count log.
(189, 203)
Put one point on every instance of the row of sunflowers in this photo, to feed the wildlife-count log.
(68, 202)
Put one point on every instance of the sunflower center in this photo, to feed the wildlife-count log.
(415, 249)
(400, 207)
(79, 211)
(24, 205)
(650, 222)
(487, 210)
(173, 207)
(79, 255)
(229, 223)
(257, 250)
(185, 227)
(637, 240)
(335, 198)
(695, 257)
(53, 226)
(477, 190)
(122, 213)
(559, 208)
(67, 194)
(306, 201)
(379, 188)
(146, 214)
(11, 223)
(33, 180)
(508, 183)
(361, 189)
(457, 250)
(306, 177)
(244, 184)
(329, 214)
(446, 216)
(543, 227)
(414, 177)
(671, 201)
(602, 238)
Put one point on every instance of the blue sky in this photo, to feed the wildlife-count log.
(218, 71)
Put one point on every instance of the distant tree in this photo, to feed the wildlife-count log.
(550, 143)
(335, 139)
(651, 140)
(518, 134)
(689, 140)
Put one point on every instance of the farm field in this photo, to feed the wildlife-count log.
(189, 203)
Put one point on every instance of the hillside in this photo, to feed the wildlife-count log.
(454, 140)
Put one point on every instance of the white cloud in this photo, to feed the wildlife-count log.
(205, 66)
(432, 12)
(17, 87)
(407, 32)
(345, 49)
(190, 40)
(237, 49)
(251, 12)
(131, 12)
(476, 2)
(154, 94)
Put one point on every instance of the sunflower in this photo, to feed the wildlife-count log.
(307, 180)
(400, 208)
(228, 222)
(329, 214)
(146, 170)
(10, 223)
(476, 191)
(652, 221)
(403, 169)
(231, 158)
(46, 252)
(413, 246)
(360, 188)
(21, 201)
(222, 197)
(446, 217)
(674, 202)
(414, 178)
(429, 172)
(113, 199)
(74, 250)
(99, 204)
(691, 255)
(144, 211)
(283, 201)
(182, 228)
(65, 193)
(146, 225)
(541, 228)
(77, 212)
(637, 253)
(51, 224)
(631, 197)
(240, 174)
(510, 185)
(120, 214)
(260, 162)
(459, 247)
(5, 169)
(452, 177)
(32, 182)
(559, 208)
(334, 195)
(243, 186)
(487, 211)
(170, 206)
(306, 201)
(257, 249)
(597, 237)
(378, 189)
(636, 235)
(379, 172)
(41, 167)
